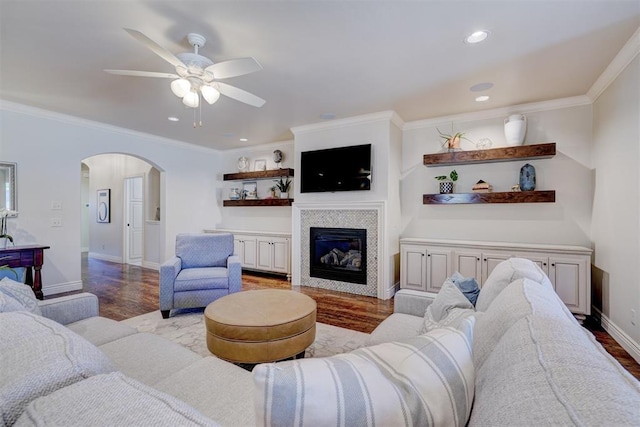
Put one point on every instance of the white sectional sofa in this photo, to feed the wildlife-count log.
(531, 364)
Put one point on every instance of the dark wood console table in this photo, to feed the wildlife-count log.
(30, 257)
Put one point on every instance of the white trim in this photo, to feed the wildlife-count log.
(267, 146)
(104, 257)
(77, 121)
(627, 54)
(621, 337)
(61, 287)
(533, 107)
(339, 123)
(151, 265)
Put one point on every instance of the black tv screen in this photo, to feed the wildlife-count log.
(336, 169)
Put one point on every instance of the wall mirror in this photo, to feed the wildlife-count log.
(8, 176)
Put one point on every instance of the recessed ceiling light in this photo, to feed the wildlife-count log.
(477, 37)
(482, 98)
(328, 116)
(173, 119)
(228, 135)
(481, 86)
(243, 139)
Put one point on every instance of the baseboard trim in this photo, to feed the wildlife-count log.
(104, 257)
(62, 287)
(151, 265)
(632, 347)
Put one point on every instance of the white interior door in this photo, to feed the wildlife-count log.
(134, 220)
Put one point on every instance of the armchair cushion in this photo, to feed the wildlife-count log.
(202, 278)
(204, 250)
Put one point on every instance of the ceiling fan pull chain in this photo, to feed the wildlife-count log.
(200, 108)
(194, 117)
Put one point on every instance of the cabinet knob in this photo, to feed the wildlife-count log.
(485, 260)
(478, 259)
(428, 254)
(553, 265)
(544, 263)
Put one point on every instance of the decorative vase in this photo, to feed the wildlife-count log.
(515, 126)
(284, 195)
(527, 178)
(446, 187)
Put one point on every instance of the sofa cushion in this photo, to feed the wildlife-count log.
(38, 357)
(519, 299)
(425, 380)
(547, 373)
(110, 400)
(100, 330)
(160, 356)
(8, 304)
(505, 273)
(396, 327)
(190, 279)
(216, 388)
(20, 292)
(448, 308)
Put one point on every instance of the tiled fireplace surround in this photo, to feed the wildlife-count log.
(367, 215)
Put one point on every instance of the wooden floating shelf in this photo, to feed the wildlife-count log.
(504, 197)
(274, 173)
(502, 154)
(260, 202)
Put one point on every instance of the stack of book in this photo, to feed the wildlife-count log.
(482, 187)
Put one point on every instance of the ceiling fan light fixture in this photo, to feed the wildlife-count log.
(191, 99)
(180, 87)
(209, 94)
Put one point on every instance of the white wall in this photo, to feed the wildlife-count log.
(616, 207)
(567, 221)
(49, 148)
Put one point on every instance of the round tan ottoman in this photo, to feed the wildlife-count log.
(260, 326)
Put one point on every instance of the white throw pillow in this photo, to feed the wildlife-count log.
(448, 308)
(427, 380)
(506, 272)
(22, 293)
(8, 304)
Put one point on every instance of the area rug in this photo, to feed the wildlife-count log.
(188, 329)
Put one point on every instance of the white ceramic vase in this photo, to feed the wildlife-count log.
(515, 126)
(284, 195)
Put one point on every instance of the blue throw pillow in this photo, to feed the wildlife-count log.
(467, 285)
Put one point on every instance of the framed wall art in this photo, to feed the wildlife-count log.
(104, 206)
(260, 165)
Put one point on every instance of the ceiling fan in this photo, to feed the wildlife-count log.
(197, 75)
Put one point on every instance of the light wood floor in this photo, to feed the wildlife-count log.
(127, 291)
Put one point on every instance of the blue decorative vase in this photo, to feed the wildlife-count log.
(527, 178)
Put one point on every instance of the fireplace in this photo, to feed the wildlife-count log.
(339, 254)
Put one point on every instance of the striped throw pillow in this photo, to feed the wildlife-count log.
(427, 380)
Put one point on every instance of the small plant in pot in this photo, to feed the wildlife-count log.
(446, 182)
(451, 141)
(283, 186)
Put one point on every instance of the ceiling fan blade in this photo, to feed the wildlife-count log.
(240, 95)
(156, 48)
(234, 67)
(143, 74)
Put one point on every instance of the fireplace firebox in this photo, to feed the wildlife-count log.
(339, 254)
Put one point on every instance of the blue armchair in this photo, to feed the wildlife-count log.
(203, 270)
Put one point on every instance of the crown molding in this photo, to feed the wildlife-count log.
(627, 54)
(266, 146)
(390, 116)
(77, 121)
(533, 107)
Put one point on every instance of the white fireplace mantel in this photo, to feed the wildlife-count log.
(383, 290)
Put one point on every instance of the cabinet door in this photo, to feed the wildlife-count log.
(265, 253)
(438, 267)
(570, 277)
(468, 264)
(245, 248)
(280, 255)
(413, 267)
(490, 260)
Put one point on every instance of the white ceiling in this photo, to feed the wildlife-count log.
(342, 57)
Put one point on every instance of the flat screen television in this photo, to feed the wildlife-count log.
(336, 169)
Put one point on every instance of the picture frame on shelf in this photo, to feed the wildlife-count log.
(250, 190)
(260, 165)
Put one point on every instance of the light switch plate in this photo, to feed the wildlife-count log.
(56, 205)
(56, 222)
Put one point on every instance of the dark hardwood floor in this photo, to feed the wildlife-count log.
(126, 291)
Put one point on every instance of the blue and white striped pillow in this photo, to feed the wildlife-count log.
(427, 380)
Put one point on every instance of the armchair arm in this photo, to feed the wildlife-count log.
(412, 302)
(71, 308)
(234, 269)
(168, 272)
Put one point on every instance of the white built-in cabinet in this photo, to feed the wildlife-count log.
(426, 263)
(262, 251)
